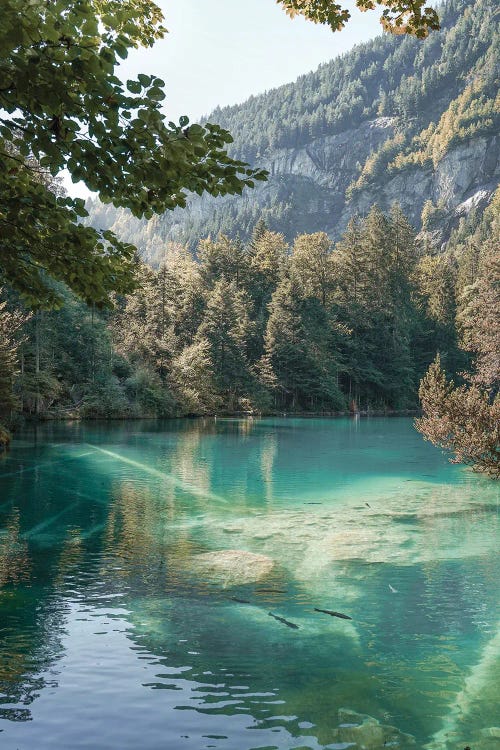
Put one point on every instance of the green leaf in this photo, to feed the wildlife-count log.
(134, 87)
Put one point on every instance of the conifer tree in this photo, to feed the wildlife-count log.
(311, 265)
(435, 281)
(350, 266)
(466, 419)
(222, 258)
(226, 328)
(143, 329)
(268, 254)
(185, 293)
(193, 379)
(297, 361)
(268, 260)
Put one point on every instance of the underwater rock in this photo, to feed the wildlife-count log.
(363, 732)
(232, 567)
(319, 544)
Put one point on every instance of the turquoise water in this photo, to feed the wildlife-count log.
(139, 562)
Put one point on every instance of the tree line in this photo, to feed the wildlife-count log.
(262, 326)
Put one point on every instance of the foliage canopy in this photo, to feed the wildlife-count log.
(62, 106)
(398, 16)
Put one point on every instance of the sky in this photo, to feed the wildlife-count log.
(220, 52)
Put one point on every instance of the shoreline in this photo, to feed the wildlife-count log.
(32, 420)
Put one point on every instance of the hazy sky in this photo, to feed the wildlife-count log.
(222, 51)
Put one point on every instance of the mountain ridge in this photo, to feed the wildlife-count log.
(394, 119)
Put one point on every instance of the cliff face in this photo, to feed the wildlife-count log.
(395, 120)
(465, 178)
(317, 176)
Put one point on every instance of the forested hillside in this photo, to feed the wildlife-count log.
(396, 119)
(261, 326)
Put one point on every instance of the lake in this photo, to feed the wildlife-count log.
(160, 585)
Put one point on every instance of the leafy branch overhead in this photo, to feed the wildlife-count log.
(398, 16)
(62, 106)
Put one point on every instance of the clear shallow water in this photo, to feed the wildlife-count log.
(124, 549)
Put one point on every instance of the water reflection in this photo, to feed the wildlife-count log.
(110, 591)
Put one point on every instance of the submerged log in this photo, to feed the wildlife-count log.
(285, 622)
(333, 614)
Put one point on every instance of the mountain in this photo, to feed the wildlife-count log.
(395, 119)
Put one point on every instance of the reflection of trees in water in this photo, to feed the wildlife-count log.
(33, 618)
(188, 460)
(14, 559)
(198, 457)
(142, 543)
(268, 454)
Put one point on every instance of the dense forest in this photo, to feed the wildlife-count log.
(258, 327)
(385, 115)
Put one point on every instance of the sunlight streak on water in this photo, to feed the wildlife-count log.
(170, 478)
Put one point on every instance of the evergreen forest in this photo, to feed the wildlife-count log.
(249, 376)
(365, 255)
(257, 327)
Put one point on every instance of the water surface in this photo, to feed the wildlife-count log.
(139, 562)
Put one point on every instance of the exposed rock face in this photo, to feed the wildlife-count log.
(465, 178)
(332, 161)
(316, 137)
(232, 567)
(311, 182)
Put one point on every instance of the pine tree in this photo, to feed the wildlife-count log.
(226, 327)
(143, 330)
(38, 384)
(185, 293)
(311, 265)
(193, 379)
(268, 254)
(466, 419)
(267, 258)
(222, 258)
(297, 362)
